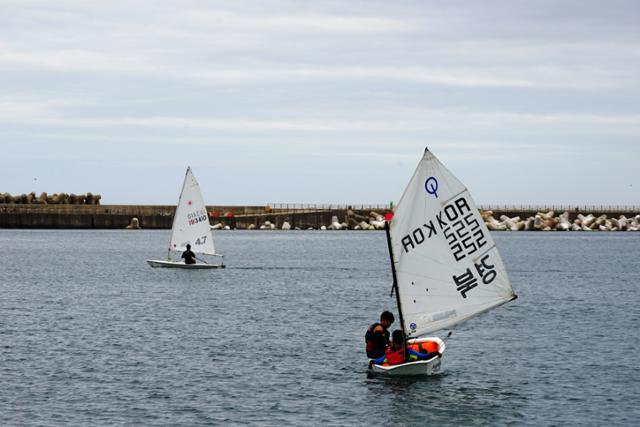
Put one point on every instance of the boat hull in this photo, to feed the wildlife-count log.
(175, 264)
(430, 366)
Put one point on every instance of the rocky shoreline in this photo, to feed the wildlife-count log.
(51, 199)
(547, 221)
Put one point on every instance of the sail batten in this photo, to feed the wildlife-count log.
(191, 221)
(447, 265)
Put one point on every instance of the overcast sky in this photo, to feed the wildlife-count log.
(320, 102)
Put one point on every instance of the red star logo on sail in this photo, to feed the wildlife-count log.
(189, 202)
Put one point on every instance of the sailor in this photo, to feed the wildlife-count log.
(189, 256)
(395, 354)
(377, 336)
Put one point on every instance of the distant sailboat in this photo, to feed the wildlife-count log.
(445, 265)
(190, 227)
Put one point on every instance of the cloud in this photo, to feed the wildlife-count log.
(228, 45)
(73, 60)
(403, 74)
(59, 113)
(294, 23)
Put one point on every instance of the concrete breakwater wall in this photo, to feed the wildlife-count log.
(83, 216)
(102, 216)
(161, 216)
(602, 218)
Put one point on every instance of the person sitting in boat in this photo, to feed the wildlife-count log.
(189, 256)
(395, 354)
(377, 336)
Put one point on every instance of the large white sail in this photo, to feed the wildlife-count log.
(191, 222)
(447, 265)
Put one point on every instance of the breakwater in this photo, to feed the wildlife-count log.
(297, 216)
(161, 216)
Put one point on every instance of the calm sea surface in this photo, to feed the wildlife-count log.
(91, 335)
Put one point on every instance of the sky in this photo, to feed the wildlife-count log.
(320, 102)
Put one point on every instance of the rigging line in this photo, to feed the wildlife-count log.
(393, 263)
(202, 260)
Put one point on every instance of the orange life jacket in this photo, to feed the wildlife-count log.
(424, 347)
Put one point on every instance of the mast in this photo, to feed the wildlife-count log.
(175, 213)
(395, 285)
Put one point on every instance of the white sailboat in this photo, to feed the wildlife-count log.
(445, 264)
(190, 227)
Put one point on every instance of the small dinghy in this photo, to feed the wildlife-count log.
(445, 265)
(190, 227)
(429, 366)
(180, 264)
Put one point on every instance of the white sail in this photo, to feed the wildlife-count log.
(447, 265)
(191, 222)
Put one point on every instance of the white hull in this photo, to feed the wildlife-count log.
(175, 264)
(421, 367)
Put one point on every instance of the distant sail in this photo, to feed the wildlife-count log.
(448, 267)
(191, 222)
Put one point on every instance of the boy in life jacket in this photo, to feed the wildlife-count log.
(395, 354)
(377, 336)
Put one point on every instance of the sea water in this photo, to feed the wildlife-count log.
(91, 335)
